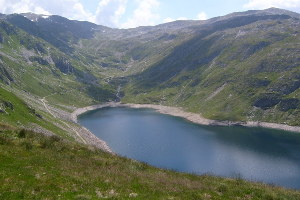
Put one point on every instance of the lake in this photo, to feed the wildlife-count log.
(164, 141)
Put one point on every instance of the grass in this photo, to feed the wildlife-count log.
(237, 66)
(33, 166)
(36, 167)
(20, 114)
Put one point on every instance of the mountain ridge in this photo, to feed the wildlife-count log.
(268, 11)
(236, 68)
(226, 68)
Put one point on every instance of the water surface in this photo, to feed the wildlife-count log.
(256, 154)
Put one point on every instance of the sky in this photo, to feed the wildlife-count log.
(134, 13)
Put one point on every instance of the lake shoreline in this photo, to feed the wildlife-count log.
(192, 117)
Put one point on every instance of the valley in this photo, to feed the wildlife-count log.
(238, 69)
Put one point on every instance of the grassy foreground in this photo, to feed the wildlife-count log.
(33, 166)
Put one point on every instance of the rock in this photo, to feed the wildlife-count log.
(133, 195)
(9, 105)
(288, 104)
(63, 64)
(39, 60)
(267, 100)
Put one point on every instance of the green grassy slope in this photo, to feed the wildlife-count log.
(242, 69)
(15, 112)
(30, 63)
(124, 52)
(239, 67)
(38, 167)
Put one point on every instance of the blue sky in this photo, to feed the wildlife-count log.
(133, 13)
(189, 9)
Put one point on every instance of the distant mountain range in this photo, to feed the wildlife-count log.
(241, 67)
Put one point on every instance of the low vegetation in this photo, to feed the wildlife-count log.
(229, 71)
(34, 166)
(237, 67)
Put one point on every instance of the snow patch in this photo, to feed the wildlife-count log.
(45, 16)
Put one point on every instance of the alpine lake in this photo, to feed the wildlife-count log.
(255, 154)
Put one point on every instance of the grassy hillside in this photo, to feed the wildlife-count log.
(244, 68)
(30, 63)
(16, 112)
(34, 166)
(240, 67)
(40, 84)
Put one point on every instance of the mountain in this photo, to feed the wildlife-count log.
(240, 67)
(57, 30)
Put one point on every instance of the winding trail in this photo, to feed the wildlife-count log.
(43, 100)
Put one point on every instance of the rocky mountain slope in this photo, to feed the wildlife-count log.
(241, 67)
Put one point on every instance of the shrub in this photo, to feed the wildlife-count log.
(48, 142)
(223, 188)
(22, 133)
(54, 138)
(4, 140)
(27, 145)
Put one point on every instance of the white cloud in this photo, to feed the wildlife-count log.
(109, 12)
(169, 19)
(263, 4)
(202, 16)
(15, 6)
(182, 18)
(72, 9)
(145, 14)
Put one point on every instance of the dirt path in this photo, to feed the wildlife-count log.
(43, 100)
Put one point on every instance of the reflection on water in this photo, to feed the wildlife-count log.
(257, 154)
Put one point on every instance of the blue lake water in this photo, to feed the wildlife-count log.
(256, 154)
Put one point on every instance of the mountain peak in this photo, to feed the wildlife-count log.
(279, 11)
(34, 17)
